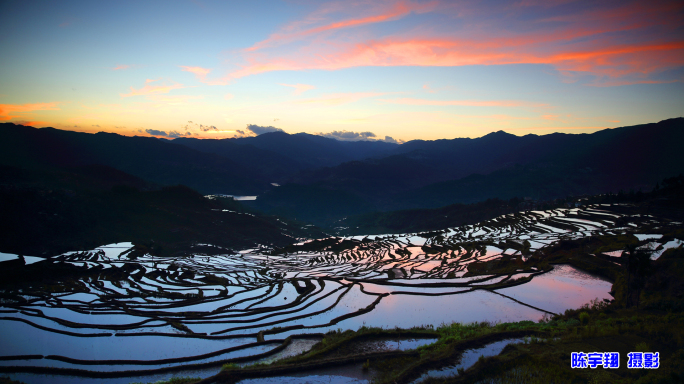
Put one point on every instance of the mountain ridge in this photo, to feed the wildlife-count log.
(339, 178)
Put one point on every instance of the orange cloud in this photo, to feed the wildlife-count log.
(299, 88)
(30, 123)
(628, 41)
(12, 111)
(611, 62)
(152, 89)
(465, 103)
(120, 67)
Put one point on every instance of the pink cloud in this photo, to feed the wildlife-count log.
(387, 12)
(612, 61)
(12, 111)
(120, 67)
(152, 89)
(616, 44)
(202, 73)
(299, 88)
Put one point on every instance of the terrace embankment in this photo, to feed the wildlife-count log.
(499, 278)
(657, 325)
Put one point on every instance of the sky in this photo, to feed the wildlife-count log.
(371, 70)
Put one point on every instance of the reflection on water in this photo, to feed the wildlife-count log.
(198, 307)
(562, 288)
(406, 311)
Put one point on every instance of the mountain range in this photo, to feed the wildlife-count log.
(321, 180)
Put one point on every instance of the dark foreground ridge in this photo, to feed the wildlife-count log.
(51, 211)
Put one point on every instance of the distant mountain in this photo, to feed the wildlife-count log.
(148, 158)
(429, 174)
(558, 165)
(323, 180)
(279, 156)
(313, 151)
(629, 156)
(638, 154)
(244, 166)
(267, 166)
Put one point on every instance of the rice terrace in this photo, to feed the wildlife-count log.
(349, 192)
(139, 315)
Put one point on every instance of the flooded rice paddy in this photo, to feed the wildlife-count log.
(141, 319)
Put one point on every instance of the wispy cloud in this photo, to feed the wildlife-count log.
(121, 67)
(152, 89)
(612, 62)
(299, 88)
(610, 41)
(201, 127)
(464, 103)
(202, 73)
(12, 111)
(384, 11)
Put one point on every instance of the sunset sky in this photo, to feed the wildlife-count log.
(385, 70)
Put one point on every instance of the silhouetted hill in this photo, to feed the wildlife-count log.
(324, 179)
(266, 165)
(314, 151)
(310, 203)
(499, 165)
(665, 200)
(46, 212)
(71, 178)
(558, 165)
(535, 181)
(638, 154)
(278, 156)
(151, 159)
